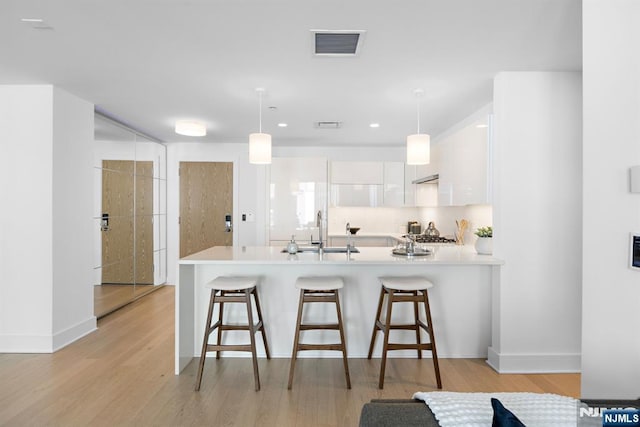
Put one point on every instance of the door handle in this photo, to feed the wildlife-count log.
(104, 222)
(227, 223)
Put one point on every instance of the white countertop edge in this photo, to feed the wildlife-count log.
(261, 255)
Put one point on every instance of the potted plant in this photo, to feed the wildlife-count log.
(484, 244)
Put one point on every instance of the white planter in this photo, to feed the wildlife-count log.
(484, 245)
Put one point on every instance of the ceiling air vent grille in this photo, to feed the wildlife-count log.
(328, 125)
(337, 43)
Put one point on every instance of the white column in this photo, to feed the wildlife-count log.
(537, 220)
(46, 138)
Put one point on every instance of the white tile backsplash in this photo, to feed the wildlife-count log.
(391, 220)
(370, 220)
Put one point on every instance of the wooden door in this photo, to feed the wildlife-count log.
(206, 197)
(127, 243)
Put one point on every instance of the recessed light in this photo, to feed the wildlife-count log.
(482, 126)
(32, 20)
(190, 128)
(282, 125)
(374, 125)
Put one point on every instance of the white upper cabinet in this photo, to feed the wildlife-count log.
(298, 190)
(394, 184)
(371, 184)
(371, 173)
(464, 167)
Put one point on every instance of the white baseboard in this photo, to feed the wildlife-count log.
(46, 343)
(74, 333)
(25, 344)
(534, 363)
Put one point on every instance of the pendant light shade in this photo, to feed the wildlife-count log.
(418, 149)
(260, 148)
(418, 144)
(260, 143)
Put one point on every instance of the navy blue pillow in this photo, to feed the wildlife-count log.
(502, 417)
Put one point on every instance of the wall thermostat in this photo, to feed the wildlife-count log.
(634, 251)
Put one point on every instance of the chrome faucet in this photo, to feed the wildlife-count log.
(348, 229)
(319, 225)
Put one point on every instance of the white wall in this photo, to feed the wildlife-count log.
(72, 224)
(611, 291)
(537, 208)
(26, 168)
(46, 215)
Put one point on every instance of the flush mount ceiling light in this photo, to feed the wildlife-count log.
(260, 143)
(418, 144)
(36, 23)
(190, 128)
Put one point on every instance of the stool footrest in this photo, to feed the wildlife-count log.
(309, 327)
(319, 298)
(409, 346)
(303, 347)
(231, 298)
(407, 298)
(236, 327)
(229, 347)
(380, 325)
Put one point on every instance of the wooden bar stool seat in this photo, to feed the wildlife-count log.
(319, 289)
(226, 290)
(405, 289)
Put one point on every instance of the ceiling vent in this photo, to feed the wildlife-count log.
(328, 125)
(337, 43)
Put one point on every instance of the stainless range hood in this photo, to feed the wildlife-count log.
(431, 179)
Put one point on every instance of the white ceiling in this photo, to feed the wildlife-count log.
(151, 62)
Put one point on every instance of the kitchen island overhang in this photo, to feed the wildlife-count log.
(464, 299)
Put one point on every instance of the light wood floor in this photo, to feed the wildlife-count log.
(123, 375)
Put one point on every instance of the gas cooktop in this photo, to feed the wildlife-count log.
(421, 238)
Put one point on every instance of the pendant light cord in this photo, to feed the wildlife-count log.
(260, 110)
(418, 108)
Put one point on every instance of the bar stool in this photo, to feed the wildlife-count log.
(233, 290)
(405, 289)
(319, 289)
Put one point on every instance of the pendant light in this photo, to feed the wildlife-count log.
(260, 143)
(419, 144)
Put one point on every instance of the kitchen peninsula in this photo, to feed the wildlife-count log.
(463, 300)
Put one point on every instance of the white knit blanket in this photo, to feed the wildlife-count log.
(474, 409)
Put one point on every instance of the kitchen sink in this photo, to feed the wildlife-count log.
(327, 250)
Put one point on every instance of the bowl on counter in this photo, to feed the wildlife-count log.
(354, 230)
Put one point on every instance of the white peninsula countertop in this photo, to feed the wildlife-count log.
(463, 300)
(442, 255)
